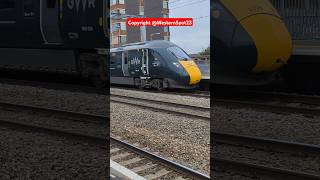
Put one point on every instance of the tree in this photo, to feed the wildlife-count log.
(205, 52)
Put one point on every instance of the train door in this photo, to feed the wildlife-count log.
(125, 64)
(116, 64)
(137, 65)
(155, 63)
(49, 21)
(30, 24)
(145, 62)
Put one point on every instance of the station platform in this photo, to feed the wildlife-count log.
(119, 172)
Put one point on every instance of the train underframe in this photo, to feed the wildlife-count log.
(223, 76)
(148, 82)
(301, 75)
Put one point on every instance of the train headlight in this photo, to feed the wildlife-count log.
(177, 64)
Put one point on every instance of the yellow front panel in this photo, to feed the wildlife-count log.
(272, 41)
(193, 71)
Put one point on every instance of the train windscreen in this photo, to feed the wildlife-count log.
(179, 53)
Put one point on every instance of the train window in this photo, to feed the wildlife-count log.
(7, 10)
(51, 3)
(179, 53)
(145, 56)
(113, 59)
(125, 58)
(116, 58)
(154, 58)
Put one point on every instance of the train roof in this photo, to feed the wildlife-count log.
(147, 44)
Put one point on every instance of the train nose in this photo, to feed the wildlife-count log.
(193, 71)
(270, 38)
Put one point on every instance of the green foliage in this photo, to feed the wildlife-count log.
(205, 52)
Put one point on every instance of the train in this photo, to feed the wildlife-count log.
(155, 64)
(54, 36)
(251, 43)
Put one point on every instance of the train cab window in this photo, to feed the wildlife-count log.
(51, 3)
(7, 10)
(116, 58)
(179, 53)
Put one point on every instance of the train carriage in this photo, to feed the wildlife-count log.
(153, 64)
(59, 36)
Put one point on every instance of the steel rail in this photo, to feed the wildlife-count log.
(55, 132)
(306, 99)
(265, 143)
(172, 165)
(56, 112)
(202, 108)
(274, 173)
(205, 118)
(61, 86)
(199, 94)
(265, 106)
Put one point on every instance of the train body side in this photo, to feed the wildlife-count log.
(59, 36)
(53, 24)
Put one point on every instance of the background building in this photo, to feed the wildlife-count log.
(122, 9)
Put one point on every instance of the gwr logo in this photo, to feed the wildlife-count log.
(135, 61)
(85, 3)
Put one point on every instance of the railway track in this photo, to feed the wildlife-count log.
(187, 93)
(159, 167)
(99, 121)
(150, 165)
(285, 97)
(259, 170)
(198, 112)
(265, 143)
(67, 86)
(272, 145)
(275, 106)
(56, 112)
(270, 102)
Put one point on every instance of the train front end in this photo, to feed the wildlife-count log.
(250, 42)
(186, 73)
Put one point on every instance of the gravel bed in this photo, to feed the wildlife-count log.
(290, 127)
(195, 101)
(199, 112)
(302, 163)
(59, 99)
(92, 128)
(178, 138)
(29, 155)
(221, 175)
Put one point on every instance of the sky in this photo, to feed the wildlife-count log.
(192, 39)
